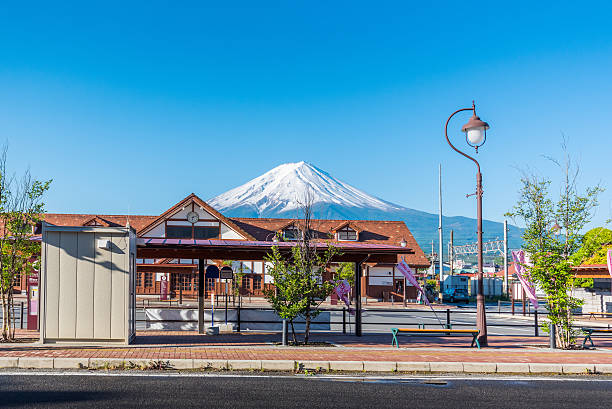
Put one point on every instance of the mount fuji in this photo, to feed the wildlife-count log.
(278, 193)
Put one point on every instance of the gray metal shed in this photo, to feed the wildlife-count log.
(87, 285)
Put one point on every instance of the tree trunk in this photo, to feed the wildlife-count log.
(13, 320)
(5, 318)
(307, 331)
(293, 333)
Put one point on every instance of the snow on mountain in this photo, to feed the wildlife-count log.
(277, 193)
(282, 188)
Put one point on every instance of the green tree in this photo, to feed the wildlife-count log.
(299, 285)
(595, 245)
(21, 208)
(551, 238)
(346, 271)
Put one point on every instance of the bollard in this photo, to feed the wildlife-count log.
(448, 319)
(343, 320)
(21, 316)
(284, 333)
(535, 322)
(552, 336)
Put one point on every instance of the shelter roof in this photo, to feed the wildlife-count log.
(257, 250)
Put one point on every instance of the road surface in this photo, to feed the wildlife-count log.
(90, 390)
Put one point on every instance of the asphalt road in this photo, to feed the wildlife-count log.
(62, 391)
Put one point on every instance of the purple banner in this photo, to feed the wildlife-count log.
(521, 272)
(343, 288)
(407, 272)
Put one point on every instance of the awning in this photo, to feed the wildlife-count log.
(257, 250)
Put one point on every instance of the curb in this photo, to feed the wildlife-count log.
(296, 366)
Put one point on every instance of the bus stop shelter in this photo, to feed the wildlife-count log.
(357, 253)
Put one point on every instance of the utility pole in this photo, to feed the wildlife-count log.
(506, 256)
(451, 256)
(441, 246)
(433, 261)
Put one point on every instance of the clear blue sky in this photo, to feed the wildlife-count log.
(132, 107)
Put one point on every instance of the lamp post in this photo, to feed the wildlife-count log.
(475, 135)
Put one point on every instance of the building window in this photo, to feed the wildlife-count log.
(206, 232)
(192, 232)
(292, 233)
(138, 279)
(347, 234)
(256, 282)
(17, 279)
(148, 281)
(185, 282)
(178, 232)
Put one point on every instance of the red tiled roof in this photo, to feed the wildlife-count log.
(264, 229)
(113, 220)
(372, 231)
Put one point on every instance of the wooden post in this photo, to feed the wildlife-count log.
(201, 285)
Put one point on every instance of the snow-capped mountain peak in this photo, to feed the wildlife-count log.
(284, 187)
(278, 193)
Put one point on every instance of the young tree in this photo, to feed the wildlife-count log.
(21, 208)
(346, 271)
(300, 287)
(552, 236)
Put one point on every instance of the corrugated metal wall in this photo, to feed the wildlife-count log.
(86, 294)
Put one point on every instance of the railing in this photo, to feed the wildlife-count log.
(449, 318)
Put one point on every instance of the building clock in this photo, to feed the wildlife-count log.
(193, 217)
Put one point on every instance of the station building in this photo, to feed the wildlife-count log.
(192, 218)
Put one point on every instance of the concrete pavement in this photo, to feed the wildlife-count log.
(371, 353)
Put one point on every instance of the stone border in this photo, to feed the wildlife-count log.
(306, 366)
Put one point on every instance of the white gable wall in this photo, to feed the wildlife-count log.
(227, 233)
(182, 213)
(157, 231)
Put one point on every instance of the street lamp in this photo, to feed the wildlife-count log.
(475, 136)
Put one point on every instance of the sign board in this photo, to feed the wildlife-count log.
(32, 319)
(212, 271)
(163, 288)
(226, 273)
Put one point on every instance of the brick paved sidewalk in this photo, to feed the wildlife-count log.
(372, 347)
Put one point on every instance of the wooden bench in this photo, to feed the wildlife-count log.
(434, 332)
(603, 314)
(590, 331)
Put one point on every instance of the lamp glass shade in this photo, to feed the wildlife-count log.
(476, 135)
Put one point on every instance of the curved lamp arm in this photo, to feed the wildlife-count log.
(448, 140)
